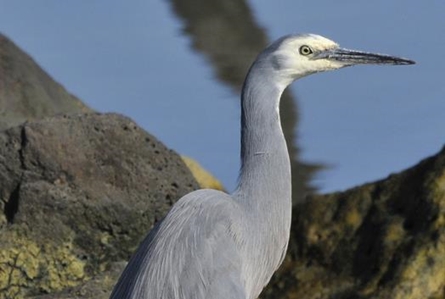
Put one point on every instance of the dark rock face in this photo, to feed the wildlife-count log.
(384, 240)
(77, 194)
(27, 92)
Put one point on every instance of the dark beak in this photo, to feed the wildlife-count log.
(352, 57)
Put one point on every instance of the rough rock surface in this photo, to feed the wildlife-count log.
(99, 287)
(77, 194)
(27, 92)
(384, 240)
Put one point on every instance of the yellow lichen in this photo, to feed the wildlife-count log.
(395, 231)
(18, 265)
(438, 189)
(63, 268)
(25, 265)
(202, 176)
(425, 273)
(354, 218)
(105, 238)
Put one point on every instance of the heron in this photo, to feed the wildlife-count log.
(212, 245)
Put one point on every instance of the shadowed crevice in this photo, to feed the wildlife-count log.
(23, 143)
(12, 205)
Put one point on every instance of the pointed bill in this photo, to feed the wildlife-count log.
(351, 57)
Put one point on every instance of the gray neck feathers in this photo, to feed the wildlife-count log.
(264, 189)
(265, 178)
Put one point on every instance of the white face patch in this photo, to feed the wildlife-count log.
(292, 56)
(315, 42)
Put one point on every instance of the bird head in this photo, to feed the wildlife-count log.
(296, 56)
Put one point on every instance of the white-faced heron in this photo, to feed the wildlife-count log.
(212, 245)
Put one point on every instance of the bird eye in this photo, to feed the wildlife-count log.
(305, 50)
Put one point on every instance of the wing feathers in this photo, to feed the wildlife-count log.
(192, 254)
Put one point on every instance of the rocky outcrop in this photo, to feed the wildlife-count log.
(384, 240)
(27, 92)
(78, 193)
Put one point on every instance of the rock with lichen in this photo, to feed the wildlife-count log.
(97, 287)
(384, 240)
(27, 264)
(204, 178)
(78, 193)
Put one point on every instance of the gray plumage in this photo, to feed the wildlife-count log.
(212, 245)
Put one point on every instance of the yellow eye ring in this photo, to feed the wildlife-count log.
(305, 50)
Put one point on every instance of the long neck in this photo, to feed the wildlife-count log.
(265, 178)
